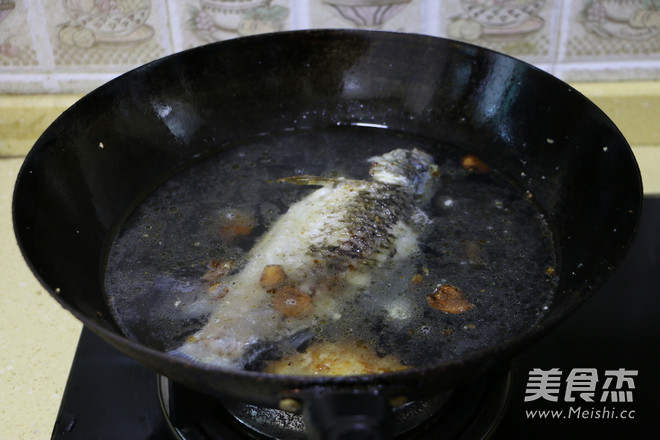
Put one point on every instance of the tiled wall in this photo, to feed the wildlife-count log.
(71, 46)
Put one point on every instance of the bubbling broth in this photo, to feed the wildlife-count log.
(314, 252)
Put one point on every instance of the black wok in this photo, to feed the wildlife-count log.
(100, 158)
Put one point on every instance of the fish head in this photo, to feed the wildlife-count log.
(413, 169)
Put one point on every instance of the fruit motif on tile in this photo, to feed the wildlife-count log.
(16, 44)
(216, 20)
(496, 19)
(366, 13)
(106, 22)
(623, 19)
(7, 48)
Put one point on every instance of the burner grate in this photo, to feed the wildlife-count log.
(471, 412)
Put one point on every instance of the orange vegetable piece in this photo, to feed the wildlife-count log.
(272, 276)
(473, 163)
(449, 299)
(291, 302)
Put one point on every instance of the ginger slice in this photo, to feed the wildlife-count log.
(272, 276)
(473, 163)
(449, 299)
(292, 303)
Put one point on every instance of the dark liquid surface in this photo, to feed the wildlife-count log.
(486, 238)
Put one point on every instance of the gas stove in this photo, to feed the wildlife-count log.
(595, 375)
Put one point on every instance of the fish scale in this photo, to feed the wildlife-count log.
(368, 221)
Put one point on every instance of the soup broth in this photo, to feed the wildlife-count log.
(476, 267)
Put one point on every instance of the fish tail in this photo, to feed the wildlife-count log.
(178, 352)
(193, 353)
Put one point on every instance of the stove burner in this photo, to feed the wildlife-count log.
(275, 423)
(470, 412)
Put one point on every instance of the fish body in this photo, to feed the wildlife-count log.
(322, 250)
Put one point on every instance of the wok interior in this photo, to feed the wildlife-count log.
(100, 158)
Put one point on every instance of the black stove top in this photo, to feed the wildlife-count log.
(596, 376)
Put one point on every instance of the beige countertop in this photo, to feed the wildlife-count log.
(38, 338)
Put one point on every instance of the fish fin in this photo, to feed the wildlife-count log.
(180, 354)
(316, 180)
(311, 180)
(190, 355)
(259, 355)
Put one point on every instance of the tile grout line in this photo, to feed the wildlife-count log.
(300, 18)
(431, 17)
(564, 23)
(174, 15)
(164, 34)
(42, 43)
